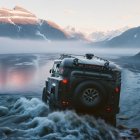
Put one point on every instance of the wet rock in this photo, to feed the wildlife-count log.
(122, 127)
(3, 111)
(137, 136)
(123, 117)
(129, 134)
(135, 130)
(135, 133)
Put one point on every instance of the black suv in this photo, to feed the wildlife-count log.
(88, 84)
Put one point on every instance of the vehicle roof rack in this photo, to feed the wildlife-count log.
(62, 56)
(88, 56)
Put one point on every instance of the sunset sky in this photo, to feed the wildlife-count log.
(84, 15)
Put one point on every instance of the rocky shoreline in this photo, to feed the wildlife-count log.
(128, 133)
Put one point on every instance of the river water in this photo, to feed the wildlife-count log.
(24, 116)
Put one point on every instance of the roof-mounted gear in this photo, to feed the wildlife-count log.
(89, 56)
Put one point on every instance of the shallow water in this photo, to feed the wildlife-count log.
(24, 116)
(130, 98)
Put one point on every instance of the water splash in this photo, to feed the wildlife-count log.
(31, 119)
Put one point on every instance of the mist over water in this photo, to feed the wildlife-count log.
(9, 46)
(25, 64)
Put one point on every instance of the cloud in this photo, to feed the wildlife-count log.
(126, 17)
(69, 12)
(130, 16)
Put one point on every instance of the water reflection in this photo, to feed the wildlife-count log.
(20, 77)
(17, 71)
(24, 72)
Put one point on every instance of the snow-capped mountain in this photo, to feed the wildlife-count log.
(22, 24)
(128, 38)
(96, 36)
(76, 34)
(108, 35)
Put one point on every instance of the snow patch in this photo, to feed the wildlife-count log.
(42, 35)
(9, 19)
(19, 28)
(17, 16)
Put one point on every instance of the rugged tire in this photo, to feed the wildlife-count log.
(44, 95)
(89, 96)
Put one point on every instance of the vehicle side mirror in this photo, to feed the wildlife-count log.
(50, 70)
(58, 65)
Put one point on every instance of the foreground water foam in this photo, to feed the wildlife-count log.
(31, 119)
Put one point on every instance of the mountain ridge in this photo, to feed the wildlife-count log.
(22, 24)
(129, 38)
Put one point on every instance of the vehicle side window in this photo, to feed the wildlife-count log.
(56, 67)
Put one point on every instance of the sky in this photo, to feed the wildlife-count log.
(83, 15)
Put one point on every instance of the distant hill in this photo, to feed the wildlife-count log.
(22, 24)
(106, 35)
(136, 57)
(129, 38)
(130, 62)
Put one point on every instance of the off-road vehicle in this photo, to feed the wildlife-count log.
(87, 84)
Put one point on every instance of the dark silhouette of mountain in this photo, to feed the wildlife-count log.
(22, 24)
(130, 62)
(136, 57)
(129, 38)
